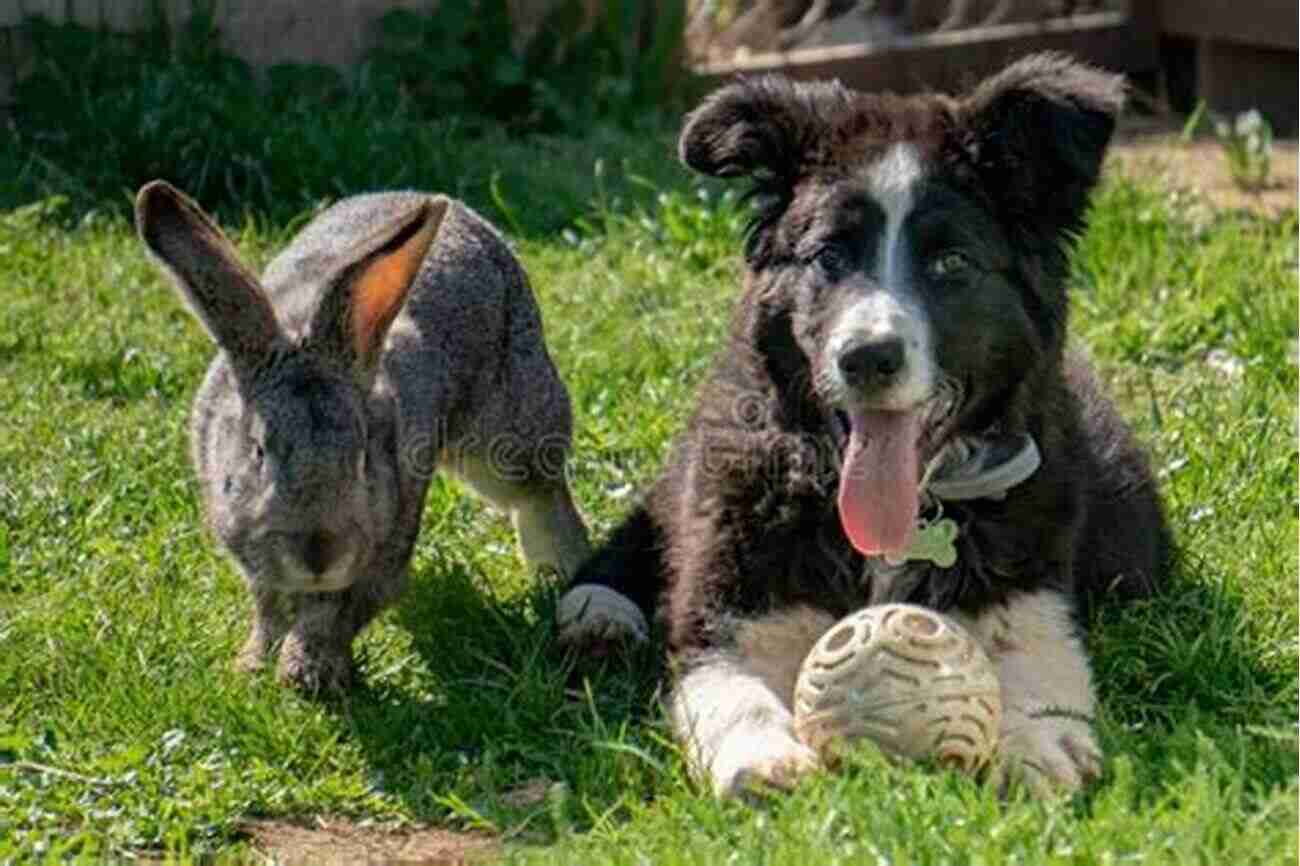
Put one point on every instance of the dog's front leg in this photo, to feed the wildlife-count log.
(1047, 741)
(737, 731)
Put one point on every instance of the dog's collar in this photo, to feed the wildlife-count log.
(980, 467)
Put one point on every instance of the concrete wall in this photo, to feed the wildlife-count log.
(262, 32)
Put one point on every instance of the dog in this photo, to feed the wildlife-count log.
(897, 362)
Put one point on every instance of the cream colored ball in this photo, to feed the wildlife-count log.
(911, 680)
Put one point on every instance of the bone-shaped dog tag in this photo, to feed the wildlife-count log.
(933, 542)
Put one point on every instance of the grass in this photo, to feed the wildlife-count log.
(440, 103)
(123, 729)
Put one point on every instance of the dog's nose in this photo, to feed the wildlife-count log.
(872, 363)
(319, 551)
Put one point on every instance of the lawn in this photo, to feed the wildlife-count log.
(124, 732)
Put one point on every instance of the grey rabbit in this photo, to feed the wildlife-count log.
(396, 335)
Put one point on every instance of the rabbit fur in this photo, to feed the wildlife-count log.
(396, 335)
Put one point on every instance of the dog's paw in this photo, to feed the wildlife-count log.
(1048, 752)
(593, 618)
(315, 668)
(761, 761)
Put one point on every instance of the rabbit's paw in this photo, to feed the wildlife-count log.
(258, 649)
(315, 667)
(251, 657)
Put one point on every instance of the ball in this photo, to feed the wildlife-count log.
(911, 680)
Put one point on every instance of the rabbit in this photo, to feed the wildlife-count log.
(395, 336)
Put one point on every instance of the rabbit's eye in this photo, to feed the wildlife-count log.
(259, 453)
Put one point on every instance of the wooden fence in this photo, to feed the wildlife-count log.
(1122, 37)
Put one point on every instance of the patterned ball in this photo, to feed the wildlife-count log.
(911, 680)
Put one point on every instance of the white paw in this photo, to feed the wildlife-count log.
(759, 760)
(1047, 751)
(590, 612)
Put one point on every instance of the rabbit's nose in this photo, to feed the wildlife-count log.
(319, 551)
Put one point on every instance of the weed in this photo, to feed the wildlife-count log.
(1248, 144)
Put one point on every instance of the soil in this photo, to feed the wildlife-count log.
(1154, 147)
(340, 841)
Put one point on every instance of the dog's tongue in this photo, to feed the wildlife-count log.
(878, 481)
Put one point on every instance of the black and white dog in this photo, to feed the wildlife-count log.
(894, 418)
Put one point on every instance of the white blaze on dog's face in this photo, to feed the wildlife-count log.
(885, 327)
(899, 297)
(876, 364)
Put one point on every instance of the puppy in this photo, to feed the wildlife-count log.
(896, 363)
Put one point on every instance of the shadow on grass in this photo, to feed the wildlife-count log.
(496, 718)
(1187, 668)
(497, 723)
(531, 188)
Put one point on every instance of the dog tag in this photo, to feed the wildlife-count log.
(933, 542)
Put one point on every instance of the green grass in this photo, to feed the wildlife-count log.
(441, 102)
(118, 620)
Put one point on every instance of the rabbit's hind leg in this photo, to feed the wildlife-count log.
(550, 530)
(548, 525)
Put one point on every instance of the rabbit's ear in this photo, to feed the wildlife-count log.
(223, 294)
(355, 315)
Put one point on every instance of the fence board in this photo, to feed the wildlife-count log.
(952, 59)
(1264, 23)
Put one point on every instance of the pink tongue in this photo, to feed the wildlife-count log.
(878, 481)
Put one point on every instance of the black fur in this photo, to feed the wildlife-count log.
(743, 518)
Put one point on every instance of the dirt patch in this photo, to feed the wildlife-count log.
(1154, 148)
(339, 841)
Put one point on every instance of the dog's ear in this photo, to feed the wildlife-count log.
(759, 127)
(1037, 132)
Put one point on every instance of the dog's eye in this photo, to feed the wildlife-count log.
(949, 263)
(831, 259)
